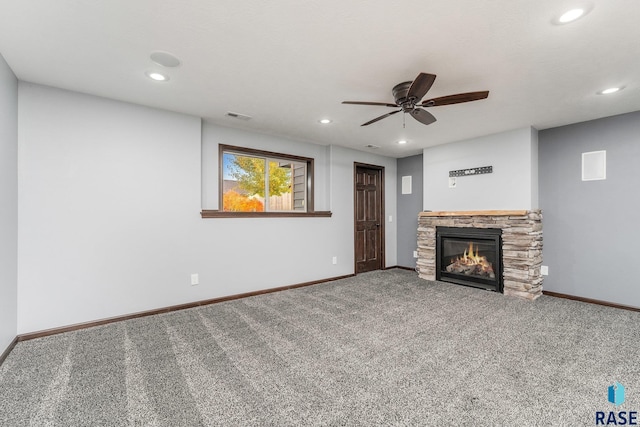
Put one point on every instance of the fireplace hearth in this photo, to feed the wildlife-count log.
(470, 257)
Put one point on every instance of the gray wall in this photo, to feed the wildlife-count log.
(109, 209)
(109, 195)
(409, 205)
(8, 204)
(342, 197)
(512, 185)
(591, 232)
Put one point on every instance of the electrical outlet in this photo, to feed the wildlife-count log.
(390, 218)
(452, 182)
(334, 260)
(195, 279)
(415, 254)
(544, 270)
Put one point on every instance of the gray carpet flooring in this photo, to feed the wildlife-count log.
(381, 348)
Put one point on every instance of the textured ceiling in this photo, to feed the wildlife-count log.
(289, 63)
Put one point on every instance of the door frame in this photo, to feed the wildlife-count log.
(382, 245)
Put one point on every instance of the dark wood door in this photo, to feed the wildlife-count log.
(369, 214)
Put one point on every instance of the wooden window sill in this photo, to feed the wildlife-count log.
(225, 214)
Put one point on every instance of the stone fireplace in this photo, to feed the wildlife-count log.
(514, 264)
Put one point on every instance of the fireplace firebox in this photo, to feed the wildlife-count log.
(470, 257)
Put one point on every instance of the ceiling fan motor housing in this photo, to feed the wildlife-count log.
(400, 95)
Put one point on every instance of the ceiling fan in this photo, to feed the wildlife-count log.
(407, 96)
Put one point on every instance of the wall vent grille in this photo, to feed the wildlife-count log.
(238, 116)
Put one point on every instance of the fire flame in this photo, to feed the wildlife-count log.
(471, 257)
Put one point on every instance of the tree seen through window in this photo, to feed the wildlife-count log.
(252, 183)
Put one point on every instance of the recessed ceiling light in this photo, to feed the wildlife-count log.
(402, 141)
(157, 76)
(610, 90)
(325, 121)
(580, 10)
(571, 15)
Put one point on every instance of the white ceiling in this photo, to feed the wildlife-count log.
(289, 63)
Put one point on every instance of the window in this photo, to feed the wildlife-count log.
(258, 183)
(262, 183)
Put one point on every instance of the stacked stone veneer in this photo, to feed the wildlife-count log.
(521, 245)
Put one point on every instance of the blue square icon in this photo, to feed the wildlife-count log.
(616, 394)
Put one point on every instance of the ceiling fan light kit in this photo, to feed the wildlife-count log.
(408, 95)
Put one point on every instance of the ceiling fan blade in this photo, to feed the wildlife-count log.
(455, 99)
(423, 116)
(421, 86)
(380, 118)
(384, 104)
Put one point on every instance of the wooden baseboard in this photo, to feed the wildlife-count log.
(591, 301)
(76, 327)
(400, 267)
(5, 354)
